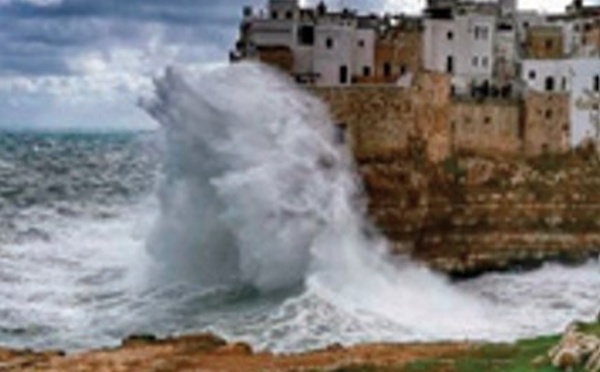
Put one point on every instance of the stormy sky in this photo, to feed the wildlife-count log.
(81, 64)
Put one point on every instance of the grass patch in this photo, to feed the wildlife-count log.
(523, 356)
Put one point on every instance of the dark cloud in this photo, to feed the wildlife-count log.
(38, 39)
(43, 39)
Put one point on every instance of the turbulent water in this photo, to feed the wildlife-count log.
(242, 217)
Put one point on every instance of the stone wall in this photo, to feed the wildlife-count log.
(489, 127)
(544, 42)
(546, 123)
(382, 120)
(401, 49)
(590, 38)
(278, 57)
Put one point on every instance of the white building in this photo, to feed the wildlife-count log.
(342, 49)
(462, 46)
(573, 76)
(327, 47)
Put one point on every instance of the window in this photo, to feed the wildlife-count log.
(274, 15)
(289, 14)
(340, 133)
(597, 83)
(387, 69)
(450, 35)
(487, 120)
(564, 84)
(306, 35)
(329, 43)
(484, 61)
(549, 44)
(361, 43)
(343, 74)
(403, 69)
(484, 33)
(548, 114)
(522, 129)
(366, 71)
(549, 84)
(481, 33)
(450, 64)
(475, 61)
(532, 75)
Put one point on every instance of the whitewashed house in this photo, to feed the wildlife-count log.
(328, 48)
(463, 46)
(574, 76)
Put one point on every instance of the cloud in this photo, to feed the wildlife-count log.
(58, 57)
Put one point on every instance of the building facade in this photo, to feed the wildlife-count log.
(505, 68)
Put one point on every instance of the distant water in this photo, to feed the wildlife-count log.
(263, 240)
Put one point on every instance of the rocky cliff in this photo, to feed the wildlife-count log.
(470, 214)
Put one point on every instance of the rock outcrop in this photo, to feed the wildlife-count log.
(469, 215)
(211, 353)
(577, 349)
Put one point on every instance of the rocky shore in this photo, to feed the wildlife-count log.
(210, 353)
(577, 349)
(470, 214)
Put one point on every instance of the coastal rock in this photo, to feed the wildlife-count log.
(576, 349)
(470, 215)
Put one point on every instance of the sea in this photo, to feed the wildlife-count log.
(241, 216)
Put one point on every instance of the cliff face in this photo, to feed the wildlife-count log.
(469, 215)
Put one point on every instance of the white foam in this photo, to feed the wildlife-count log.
(256, 191)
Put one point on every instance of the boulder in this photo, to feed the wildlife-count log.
(576, 349)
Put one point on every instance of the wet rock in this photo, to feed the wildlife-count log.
(576, 349)
(239, 348)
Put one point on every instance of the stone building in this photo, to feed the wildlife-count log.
(328, 48)
(590, 38)
(504, 69)
(383, 120)
(492, 127)
(398, 51)
(281, 57)
(546, 127)
(544, 42)
(573, 76)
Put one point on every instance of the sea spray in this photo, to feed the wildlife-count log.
(252, 177)
(258, 192)
(73, 266)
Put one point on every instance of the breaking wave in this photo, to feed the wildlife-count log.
(257, 192)
(261, 235)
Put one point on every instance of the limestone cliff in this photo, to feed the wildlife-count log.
(470, 214)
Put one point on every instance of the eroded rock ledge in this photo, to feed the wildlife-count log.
(469, 215)
(210, 353)
(578, 348)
